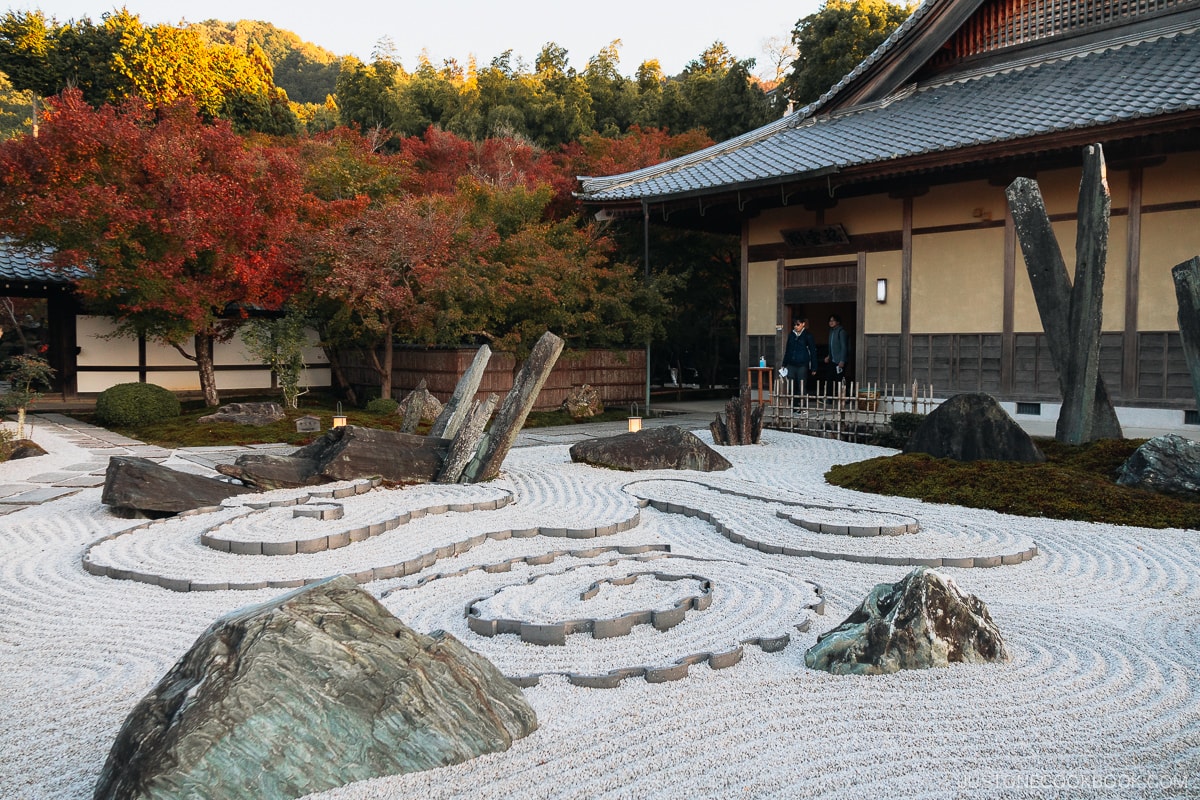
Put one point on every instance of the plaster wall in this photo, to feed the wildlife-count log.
(1168, 238)
(882, 317)
(958, 282)
(958, 204)
(765, 228)
(871, 214)
(761, 299)
(1174, 181)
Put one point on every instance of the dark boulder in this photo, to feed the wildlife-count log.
(1169, 464)
(920, 622)
(346, 453)
(21, 448)
(256, 414)
(141, 487)
(307, 692)
(669, 447)
(973, 427)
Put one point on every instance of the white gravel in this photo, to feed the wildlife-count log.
(1101, 699)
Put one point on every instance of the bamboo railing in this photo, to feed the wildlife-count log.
(843, 410)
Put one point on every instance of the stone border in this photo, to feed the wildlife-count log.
(854, 530)
(387, 572)
(336, 541)
(676, 670)
(965, 562)
(556, 633)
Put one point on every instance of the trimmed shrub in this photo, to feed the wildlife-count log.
(382, 405)
(901, 426)
(129, 405)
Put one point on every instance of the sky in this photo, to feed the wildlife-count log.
(672, 32)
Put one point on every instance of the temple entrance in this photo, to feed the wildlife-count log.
(818, 314)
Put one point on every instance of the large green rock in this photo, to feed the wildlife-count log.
(312, 690)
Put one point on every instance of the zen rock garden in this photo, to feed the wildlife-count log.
(323, 686)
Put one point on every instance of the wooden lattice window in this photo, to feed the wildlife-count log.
(1003, 23)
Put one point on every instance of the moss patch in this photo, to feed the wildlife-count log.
(1076, 482)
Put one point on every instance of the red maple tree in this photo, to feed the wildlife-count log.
(180, 224)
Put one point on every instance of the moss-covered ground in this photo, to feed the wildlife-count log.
(1075, 482)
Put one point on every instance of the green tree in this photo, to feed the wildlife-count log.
(614, 97)
(279, 343)
(366, 93)
(835, 39)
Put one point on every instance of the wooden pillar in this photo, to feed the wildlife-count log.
(906, 265)
(1133, 267)
(781, 327)
(744, 305)
(860, 336)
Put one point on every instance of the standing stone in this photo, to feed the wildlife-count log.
(517, 405)
(1087, 296)
(1187, 292)
(1053, 292)
(455, 411)
(743, 421)
(307, 692)
(466, 443)
(418, 405)
(922, 621)
(583, 402)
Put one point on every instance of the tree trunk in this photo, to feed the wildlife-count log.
(389, 358)
(204, 365)
(339, 376)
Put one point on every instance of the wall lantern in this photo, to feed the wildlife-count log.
(339, 419)
(635, 421)
(881, 290)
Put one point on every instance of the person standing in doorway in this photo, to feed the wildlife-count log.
(800, 357)
(839, 348)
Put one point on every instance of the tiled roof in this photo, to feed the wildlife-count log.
(1117, 81)
(32, 265)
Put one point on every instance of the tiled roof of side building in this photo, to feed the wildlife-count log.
(32, 265)
(1120, 80)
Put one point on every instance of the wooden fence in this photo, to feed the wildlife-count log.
(619, 375)
(847, 411)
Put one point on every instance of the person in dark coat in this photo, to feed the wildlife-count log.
(800, 357)
(839, 348)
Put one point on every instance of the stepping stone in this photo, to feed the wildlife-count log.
(37, 496)
(52, 477)
(82, 481)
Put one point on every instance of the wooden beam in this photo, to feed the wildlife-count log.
(906, 266)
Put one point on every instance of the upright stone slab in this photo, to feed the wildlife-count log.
(1075, 421)
(466, 442)
(307, 692)
(516, 408)
(454, 413)
(1187, 292)
(1052, 291)
(418, 405)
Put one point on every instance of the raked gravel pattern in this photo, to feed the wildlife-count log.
(1101, 698)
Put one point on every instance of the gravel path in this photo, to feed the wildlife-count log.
(1101, 699)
